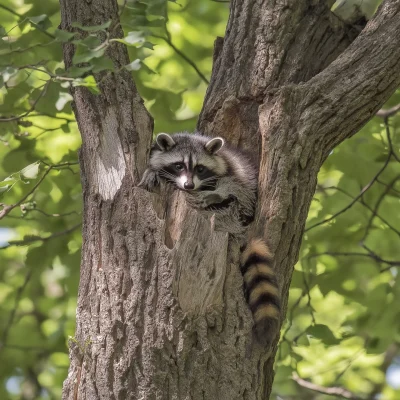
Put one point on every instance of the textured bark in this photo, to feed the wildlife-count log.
(161, 313)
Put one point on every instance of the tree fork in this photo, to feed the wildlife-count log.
(161, 312)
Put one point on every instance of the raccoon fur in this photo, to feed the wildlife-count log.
(220, 180)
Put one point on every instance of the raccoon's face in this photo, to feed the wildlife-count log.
(190, 162)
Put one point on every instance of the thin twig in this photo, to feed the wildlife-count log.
(41, 94)
(377, 205)
(389, 139)
(184, 56)
(330, 391)
(18, 295)
(355, 199)
(370, 254)
(389, 112)
(364, 204)
(38, 27)
(54, 215)
(7, 209)
(374, 179)
(33, 239)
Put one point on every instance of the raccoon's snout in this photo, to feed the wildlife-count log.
(185, 182)
(188, 185)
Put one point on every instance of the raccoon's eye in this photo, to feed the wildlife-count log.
(200, 169)
(179, 166)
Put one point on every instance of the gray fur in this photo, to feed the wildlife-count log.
(235, 177)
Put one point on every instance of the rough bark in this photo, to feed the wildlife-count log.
(161, 313)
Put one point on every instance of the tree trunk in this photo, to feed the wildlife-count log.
(161, 312)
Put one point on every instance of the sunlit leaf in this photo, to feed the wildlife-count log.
(88, 82)
(134, 65)
(8, 72)
(4, 188)
(31, 171)
(135, 38)
(63, 100)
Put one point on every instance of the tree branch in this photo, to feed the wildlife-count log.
(184, 56)
(388, 112)
(355, 199)
(38, 27)
(330, 391)
(8, 208)
(338, 100)
(31, 239)
(370, 254)
(18, 117)
(364, 204)
(377, 205)
(10, 321)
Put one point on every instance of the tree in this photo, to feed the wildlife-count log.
(160, 310)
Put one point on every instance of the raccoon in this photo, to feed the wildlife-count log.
(220, 180)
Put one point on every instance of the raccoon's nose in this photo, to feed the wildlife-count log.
(188, 185)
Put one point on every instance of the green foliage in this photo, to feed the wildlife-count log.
(343, 310)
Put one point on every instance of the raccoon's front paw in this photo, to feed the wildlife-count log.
(221, 204)
(200, 200)
(149, 180)
(211, 199)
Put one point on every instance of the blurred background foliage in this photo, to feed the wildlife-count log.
(342, 333)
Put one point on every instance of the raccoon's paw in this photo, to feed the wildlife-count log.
(211, 199)
(203, 200)
(149, 180)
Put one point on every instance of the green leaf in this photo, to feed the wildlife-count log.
(4, 188)
(93, 28)
(134, 38)
(8, 72)
(42, 21)
(101, 64)
(322, 332)
(65, 128)
(63, 100)
(85, 56)
(31, 171)
(88, 82)
(77, 72)
(134, 65)
(90, 41)
(150, 71)
(63, 36)
(148, 45)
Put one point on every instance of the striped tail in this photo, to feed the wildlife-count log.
(261, 289)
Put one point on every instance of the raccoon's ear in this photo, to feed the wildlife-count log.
(164, 141)
(214, 145)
